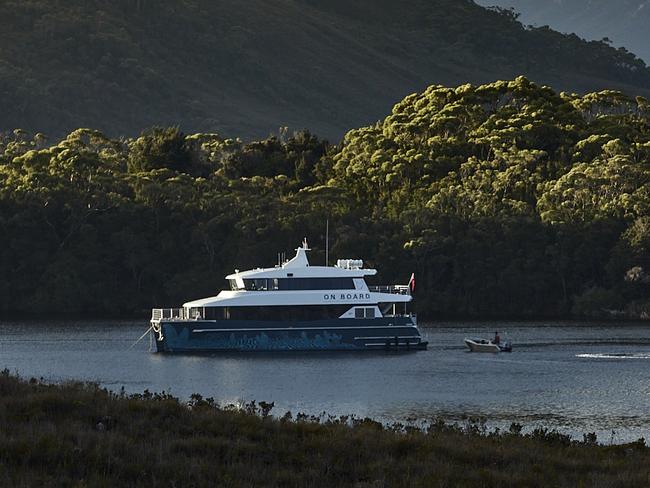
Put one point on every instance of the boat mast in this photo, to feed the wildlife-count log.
(327, 241)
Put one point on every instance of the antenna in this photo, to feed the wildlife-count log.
(327, 242)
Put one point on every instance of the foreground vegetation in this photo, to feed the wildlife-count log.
(81, 435)
(506, 199)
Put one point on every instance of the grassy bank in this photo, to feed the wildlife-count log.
(80, 435)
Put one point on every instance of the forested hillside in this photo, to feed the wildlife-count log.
(506, 199)
(245, 68)
(624, 22)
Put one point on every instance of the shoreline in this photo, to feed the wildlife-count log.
(80, 433)
(477, 421)
(423, 322)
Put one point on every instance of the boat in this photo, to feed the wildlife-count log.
(294, 306)
(485, 345)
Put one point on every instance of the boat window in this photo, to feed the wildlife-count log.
(264, 284)
(259, 284)
(233, 284)
(279, 313)
(364, 313)
(316, 284)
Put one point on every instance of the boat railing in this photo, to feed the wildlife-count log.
(412, 316)
(394, 289)
(157, 314)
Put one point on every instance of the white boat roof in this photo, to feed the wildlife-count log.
(298, 267)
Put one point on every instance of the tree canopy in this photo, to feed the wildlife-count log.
(506, 199)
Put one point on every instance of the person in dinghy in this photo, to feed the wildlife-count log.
(489, 345)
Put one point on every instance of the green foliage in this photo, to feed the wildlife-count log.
(512, 197)
(506, 199)
(160, 148)
(95, 226)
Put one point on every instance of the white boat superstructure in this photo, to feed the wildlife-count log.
(297, 284)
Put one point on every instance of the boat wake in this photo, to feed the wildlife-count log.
(632, 355)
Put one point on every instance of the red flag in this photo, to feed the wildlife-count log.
(412, 282)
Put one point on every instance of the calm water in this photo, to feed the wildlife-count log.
(571, 377)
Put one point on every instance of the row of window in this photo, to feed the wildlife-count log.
(278, 313)
(267, 284)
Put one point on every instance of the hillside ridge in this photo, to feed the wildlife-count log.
(247, 68)
(624, 22)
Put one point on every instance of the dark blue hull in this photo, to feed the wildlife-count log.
(387, 333)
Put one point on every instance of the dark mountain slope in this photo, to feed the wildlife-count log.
(244, 68)
(625, 22)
